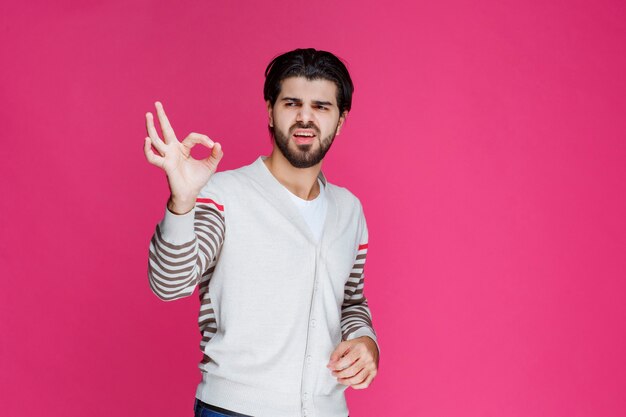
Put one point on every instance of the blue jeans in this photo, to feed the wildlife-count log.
(201, 409)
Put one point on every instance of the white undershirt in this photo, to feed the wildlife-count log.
(313, 211)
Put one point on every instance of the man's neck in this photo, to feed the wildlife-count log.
(300, 181)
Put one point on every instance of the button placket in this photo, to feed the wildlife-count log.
(308, 377)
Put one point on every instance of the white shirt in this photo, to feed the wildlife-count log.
(313, 211)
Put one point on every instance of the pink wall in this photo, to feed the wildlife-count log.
(486, 143)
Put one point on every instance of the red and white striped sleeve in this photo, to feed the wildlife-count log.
(184, 247)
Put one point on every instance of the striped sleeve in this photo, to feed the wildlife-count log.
(183, 248)
(356, 318)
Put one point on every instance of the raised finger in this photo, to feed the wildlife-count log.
(152, 132)
(166, 128)
(150, 155)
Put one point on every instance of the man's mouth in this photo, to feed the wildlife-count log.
(304, 136)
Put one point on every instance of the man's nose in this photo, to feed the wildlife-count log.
(305, 114)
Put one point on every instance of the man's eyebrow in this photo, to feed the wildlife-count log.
(316, 102)
(322, 103)
(291, 99)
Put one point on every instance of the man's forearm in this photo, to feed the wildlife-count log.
(182, 248)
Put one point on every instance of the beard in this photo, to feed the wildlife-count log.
(304, 155)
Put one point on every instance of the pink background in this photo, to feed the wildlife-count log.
(486, 142)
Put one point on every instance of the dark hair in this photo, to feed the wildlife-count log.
(313, 65)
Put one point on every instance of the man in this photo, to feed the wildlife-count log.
(277, 253)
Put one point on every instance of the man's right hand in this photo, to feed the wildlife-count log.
(186, 176)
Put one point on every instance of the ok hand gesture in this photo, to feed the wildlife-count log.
(185, 175)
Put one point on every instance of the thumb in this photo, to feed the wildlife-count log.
(339, 351)
(216, 152)
(214, 158)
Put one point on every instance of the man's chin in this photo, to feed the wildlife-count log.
(299, 155)
(298, 161)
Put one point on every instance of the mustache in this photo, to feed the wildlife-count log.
(305, 126)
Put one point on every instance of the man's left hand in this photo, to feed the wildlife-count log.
(355, 362)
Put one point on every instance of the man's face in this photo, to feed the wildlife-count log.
(305, 120)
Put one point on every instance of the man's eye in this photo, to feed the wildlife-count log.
(322, 107)
(291, 104)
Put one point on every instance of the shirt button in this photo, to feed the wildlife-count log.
(308, 359)
(313, 323)
(304, 413)
(305, 395)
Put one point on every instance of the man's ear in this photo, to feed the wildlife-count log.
(342, 119)
(269, 113)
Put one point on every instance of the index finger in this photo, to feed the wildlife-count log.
(168, 132)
